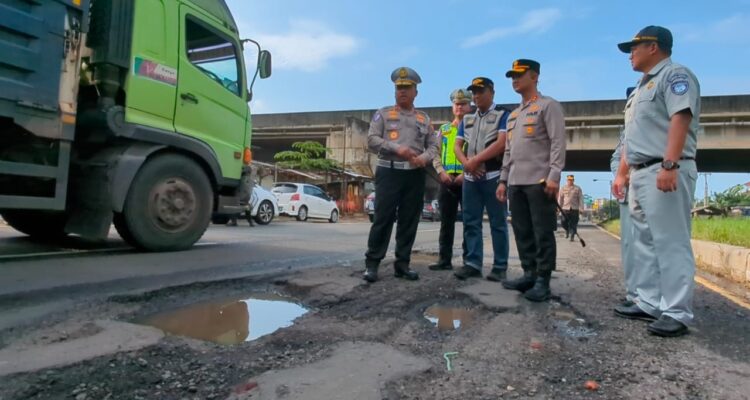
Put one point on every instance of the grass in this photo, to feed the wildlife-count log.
(734, 231)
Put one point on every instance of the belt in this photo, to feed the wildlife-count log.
(395, 164)
(655, 161)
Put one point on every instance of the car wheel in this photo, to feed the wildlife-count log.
(302, 214)
(371, 217)
(334, 217)
(265, 213)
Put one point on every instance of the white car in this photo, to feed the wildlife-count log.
(302, 200)
(263, 205)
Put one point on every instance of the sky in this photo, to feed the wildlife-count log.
(339, 54)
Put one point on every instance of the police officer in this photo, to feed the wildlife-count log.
(658, 166)
(483, 133)
(626, 227)
(403, 139)
(534, 159)
(571, 202)
(450, 172)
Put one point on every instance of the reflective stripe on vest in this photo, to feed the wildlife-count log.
(448, 158)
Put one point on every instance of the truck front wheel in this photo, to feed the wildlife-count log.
(168, 206)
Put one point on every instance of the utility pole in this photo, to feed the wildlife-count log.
(705, 189)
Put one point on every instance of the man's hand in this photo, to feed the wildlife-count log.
(551, 188)
(459, 180)
(666, 180)
(472, 165)
(405, 153)
(445, 179)
(418, 161)
(619, 185)
(500, 193)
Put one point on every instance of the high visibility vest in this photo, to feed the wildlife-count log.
(448, 158)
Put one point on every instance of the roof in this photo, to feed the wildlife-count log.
(308, 175)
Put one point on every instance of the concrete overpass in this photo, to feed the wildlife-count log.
(592, 127)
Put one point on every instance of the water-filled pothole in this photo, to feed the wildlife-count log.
(229, 321)
(447, 318)
(570, 325)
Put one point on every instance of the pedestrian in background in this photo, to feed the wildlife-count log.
(405, 143)
(658, 167)
(483, 134)
(450, 173)
(530, 180)
(571, 202)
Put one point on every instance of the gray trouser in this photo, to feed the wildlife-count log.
(661, 242)
(626, 239)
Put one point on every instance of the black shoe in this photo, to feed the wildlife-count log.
(627, 303)
(566, 235)
(540, 291)
(523, 283)
(633, 312)
(405, 273)
(441, 266)
(667, 326)
(497, 275)
(371, 274)
(466, 272)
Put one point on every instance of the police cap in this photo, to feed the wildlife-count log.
(481, 83)
(650, 33)
(461, 95)
(522, 65)
(405, 76)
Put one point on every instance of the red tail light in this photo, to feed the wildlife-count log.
(295, 197)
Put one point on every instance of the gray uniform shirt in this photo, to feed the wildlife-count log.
(665, 90)
(535, 146)
(392, 127)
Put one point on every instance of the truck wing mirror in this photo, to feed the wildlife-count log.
(264, 64)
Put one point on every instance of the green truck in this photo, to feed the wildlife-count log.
(126, 112)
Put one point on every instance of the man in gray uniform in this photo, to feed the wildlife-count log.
(403, 139)
(571, 202)
(534, 159)
(626, 226)
(658, 166)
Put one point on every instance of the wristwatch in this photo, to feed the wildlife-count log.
(669, 165)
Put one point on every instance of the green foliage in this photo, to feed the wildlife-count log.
(306, 156)
(734, 196)
(734, 231)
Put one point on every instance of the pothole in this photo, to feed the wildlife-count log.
(229, 322)
(447, 318)
(570, 325)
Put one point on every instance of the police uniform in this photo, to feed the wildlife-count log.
(398, 184)
(626, 227)
(449, 197)
(534, 154)
(661, 220)
(480, 130)
(571, 202)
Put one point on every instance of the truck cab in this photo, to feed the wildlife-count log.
(132, 112)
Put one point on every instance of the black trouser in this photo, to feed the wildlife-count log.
(401, 190)
(572, 225)
(449, 199)
(533, 220)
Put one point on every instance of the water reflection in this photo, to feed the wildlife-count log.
(230, 321)
(448, 318)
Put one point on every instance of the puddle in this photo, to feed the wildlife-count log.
(572, 326)
(229, 321)
(449, 318)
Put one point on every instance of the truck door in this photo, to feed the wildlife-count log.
(211, 90)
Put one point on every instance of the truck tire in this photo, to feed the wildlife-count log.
(41, 225)
(118, 219)
(168, 206)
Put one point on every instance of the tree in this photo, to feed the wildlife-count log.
(734, 196)
(306, 155)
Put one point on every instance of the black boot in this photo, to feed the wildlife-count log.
(371, 274)
(405, 273)
(540, 291)
(523, 283)
(441, 265)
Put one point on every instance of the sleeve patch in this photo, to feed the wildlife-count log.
(680, 87)
(376, 117)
